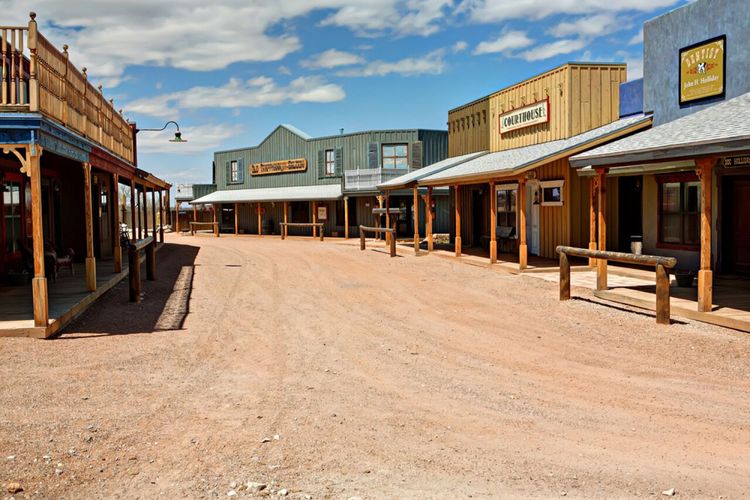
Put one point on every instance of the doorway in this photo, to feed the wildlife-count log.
(227, 218)
(630, 210)
(736, 206)
(477, 219)
(532, 222)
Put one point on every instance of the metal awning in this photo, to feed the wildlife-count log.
(404, 181)
(294, 193)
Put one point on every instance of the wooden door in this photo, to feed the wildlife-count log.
(741, 226)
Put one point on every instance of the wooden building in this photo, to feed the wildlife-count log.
(65, 153)
(520, 196)
(334, 180)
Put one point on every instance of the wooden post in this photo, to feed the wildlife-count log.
(416, 219)
(285, 230)
(379, 217)
(322, 232)
(153, 212)
(387, 216)
(236, 219)
(134, 274)
(144, 210)
(592, 218)
(161, 217)
(662, 295)
(260, 219)
(195, 213)
(116, 248)
(361, 238)
(705, 275)
(457, 203)
(346, 217)
(493, 223)
(428, 227)
(151, 261)
(39, 295)
(132, 210)
(315, 218)
(33, 81)
(89, 220)
(213, 214)
(601, 264)
(522, 247)
(564, 277)
(393, 244)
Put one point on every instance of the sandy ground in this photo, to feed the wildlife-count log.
(414, 377)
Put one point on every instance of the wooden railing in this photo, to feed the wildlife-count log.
(378, 230)
(134, 265)
(195, 227)
(315, 225)
(37, 77)
(662, 265)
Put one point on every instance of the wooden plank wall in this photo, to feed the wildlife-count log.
(595, 91)
(468, 128)
(554, 222)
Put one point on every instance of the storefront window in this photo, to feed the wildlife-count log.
(679, 210)
(11, 198)
(506, 206)
(395, 156)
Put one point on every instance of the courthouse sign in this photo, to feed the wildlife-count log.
(702, 70)
(279, 167)
(533, 114)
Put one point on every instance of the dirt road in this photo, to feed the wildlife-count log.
(414, 377)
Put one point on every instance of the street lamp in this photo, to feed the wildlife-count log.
(177, 135)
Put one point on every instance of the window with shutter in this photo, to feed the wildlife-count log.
(240, 170)
(339, 162)
(321, 163)
(228, 173)
(372, 155)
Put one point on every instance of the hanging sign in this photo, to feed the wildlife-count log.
(702, 70)
(532, 114)
(279, 167)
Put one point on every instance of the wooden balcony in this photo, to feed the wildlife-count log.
(38, 78)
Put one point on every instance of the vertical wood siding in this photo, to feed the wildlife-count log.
(468, 128)
(554, 222)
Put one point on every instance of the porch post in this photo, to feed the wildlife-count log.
(213, 210)
(315, 218)
(428, 226)
(39, 282)
(132, 209)
(177, 216)
(493, 223)
(379, 217)
(705, 275)
(236, 219)
(285, 231)
(260, 220)
(153, 212)
(346, 217)
(195, 214)
(523, 254)
(116, 248)
(145, 211)
(416, 219)
(457, 194)
(90, 259)
(592, 218)
(161, 216)
(601, 264)
(388, 216)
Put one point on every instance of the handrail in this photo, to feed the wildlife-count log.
(215, 225)
(139, 245)
(385, 230)
(662, 265)
(134, 265)
(285, 228)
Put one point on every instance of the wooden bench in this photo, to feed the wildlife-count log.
(195, 227)
(378, 230)
(285, 228)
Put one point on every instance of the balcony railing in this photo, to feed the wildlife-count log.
(367, 179)
(36, 77)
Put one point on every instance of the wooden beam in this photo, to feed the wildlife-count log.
(132, 210)
(161, 217)
(601, 264)
(428, 226)
(89, 221)
(236, 219)
(388, 217)
(39, 283)
(116, 248)
(457, 194)
(416, 219)
(153, 212)
(523, 254)
(346, 217)
(592, 217)
(493, 223)
(705, 275)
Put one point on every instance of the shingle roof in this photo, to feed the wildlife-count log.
(420, 173)
(510, 160)
(293, 193)
(722, 128)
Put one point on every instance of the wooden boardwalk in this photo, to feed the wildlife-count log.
(68, 297)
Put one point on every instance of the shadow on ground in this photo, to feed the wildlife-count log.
(164, 305)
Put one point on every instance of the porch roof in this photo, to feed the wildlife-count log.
(415, 175)
(293, 193)
(719, 130)
(515, 161)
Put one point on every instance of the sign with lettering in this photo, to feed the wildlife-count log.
(702, 70)
(532, 114)
(736, 161)
(279, 167)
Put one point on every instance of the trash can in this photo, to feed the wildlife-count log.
(636, 244)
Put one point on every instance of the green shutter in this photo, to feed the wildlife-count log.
(228, 178)
(415, 153)
(240, 170)
(372, 155)
(321, 163)
(339, 155)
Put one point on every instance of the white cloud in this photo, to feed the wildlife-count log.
(593, 26)
(634, 62)
(552, 49)
(637, 38)
(200, 139)
(430, 64)
(493, 11)
(505, 43)
(332, 58)
(373, 17)
(256, 92)
(459, 46)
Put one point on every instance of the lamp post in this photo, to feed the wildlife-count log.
(177, 135)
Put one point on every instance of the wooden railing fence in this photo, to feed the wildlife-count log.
(378, 230)
(286, 225)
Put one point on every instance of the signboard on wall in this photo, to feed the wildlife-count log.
(736, 161)
(702, 70)
(279, 167)
(532, 114)
(323, 212)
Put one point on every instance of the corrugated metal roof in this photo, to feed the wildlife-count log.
(704, 132)
(293, 193)
(421, 173)
(508, 161)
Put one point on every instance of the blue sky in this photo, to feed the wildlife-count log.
(230, 72)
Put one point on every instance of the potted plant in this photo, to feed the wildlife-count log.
(684, 278)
